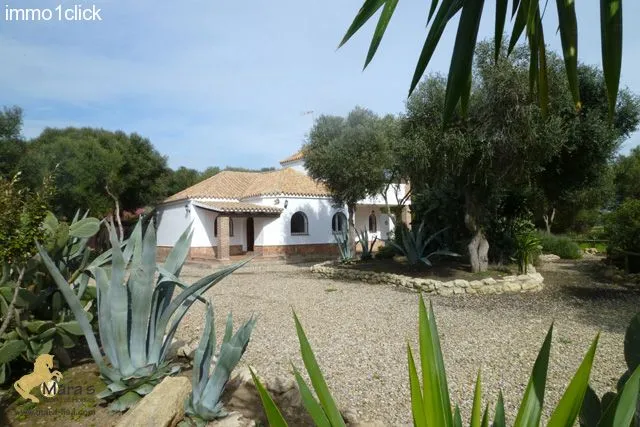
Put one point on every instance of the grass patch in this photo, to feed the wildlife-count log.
(559, 245)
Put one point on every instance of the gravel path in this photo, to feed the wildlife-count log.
(359, 333)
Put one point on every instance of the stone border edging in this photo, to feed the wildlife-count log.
(531, 282)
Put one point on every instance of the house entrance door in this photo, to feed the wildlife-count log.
(250, 234)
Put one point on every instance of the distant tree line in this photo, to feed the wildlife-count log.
(92, 166)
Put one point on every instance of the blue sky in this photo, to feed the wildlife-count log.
(226, 83)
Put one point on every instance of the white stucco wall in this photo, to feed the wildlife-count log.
(172, 219)
(383, 223)
(277, 231)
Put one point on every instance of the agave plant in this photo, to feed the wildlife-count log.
(137, 319)
(414, 245)
(431, 404)
(204, 403)
(344, 246)
(367, 248)
(527, 247)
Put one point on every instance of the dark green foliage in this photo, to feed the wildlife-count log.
(23, 211)
(562, 246)
(623, 231)
(386, 252)
(45, 323)
(12, 145)
(627, 175)
(90, 160)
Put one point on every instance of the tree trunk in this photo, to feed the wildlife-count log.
(479, 246)
(352, 228)
(479, 252)
(548, 220)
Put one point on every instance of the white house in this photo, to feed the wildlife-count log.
(277, 213)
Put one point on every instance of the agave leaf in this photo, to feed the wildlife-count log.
(124, 402)
(317, 379)
(543, 84)
(476, 412)
(531, 406)
(176, 258)
(140, 286)
(270, 409)
(368, 9)
(119, 304)
(568, 408)
(457, 418)
(78, 311)
(202, 356)
(180, 304)
(611, 35)
(105, 326)
(144, 389)
(383, 22)
(310, 403)
(499, 416)
(417, 406)
(501, 15)
(132, 243)
(230, 354)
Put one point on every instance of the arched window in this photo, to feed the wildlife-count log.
(339, 223)
(299, 224)
(215, 227)
(373, 223)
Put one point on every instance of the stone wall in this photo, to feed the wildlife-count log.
(308, 249)
(531, 282)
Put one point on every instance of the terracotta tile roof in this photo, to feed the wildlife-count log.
(286, 181)
(240, 185)
(293, 157)
(239, 207)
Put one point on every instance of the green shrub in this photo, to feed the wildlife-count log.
(586, 219)
(623, 230)
(623, 226)
(386, 252)
(527, 249)
(562, 246)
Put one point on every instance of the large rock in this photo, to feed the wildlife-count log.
(549, 258)
(163, 407)
(234, 419)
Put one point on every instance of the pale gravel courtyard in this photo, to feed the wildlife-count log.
(359, 333)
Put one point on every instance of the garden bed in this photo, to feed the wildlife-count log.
(445, 279)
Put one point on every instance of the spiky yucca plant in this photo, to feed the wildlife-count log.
(138, 314)
(204, 403)
(344, 246)
(367, 248)
(527, 246)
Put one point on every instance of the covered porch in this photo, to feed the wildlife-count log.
(232, 226)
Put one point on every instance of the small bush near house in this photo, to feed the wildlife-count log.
(562, 246)
(386, 252)
(623, 230)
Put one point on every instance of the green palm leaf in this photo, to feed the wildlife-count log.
(611, 35)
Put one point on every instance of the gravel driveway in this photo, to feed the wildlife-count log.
(359, 333)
